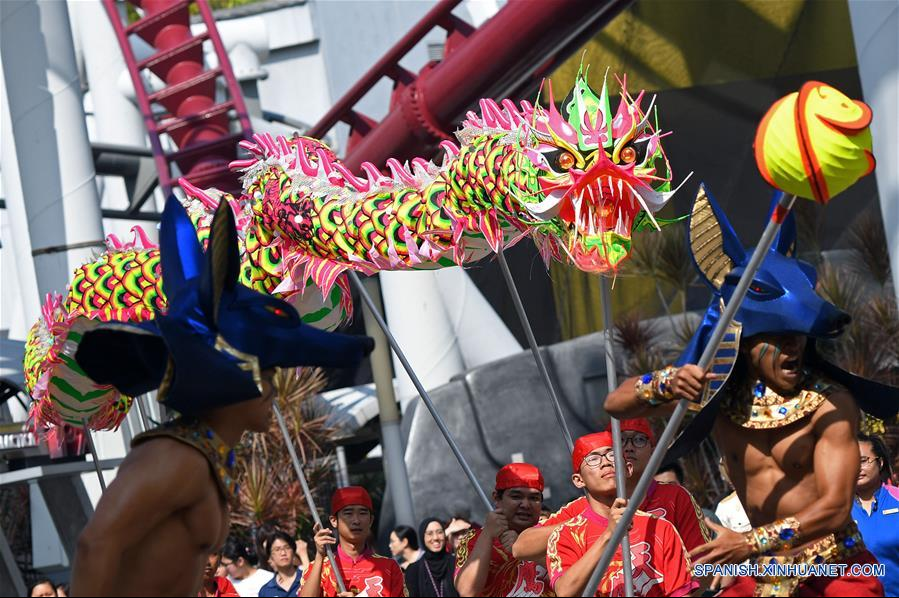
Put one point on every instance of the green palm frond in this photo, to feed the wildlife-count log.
(662, 256)
(867, 238)
(842, 288)
(270, 494)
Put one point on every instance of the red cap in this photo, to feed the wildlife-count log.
(519, 475)
(351, 495)
(585, 445)
(639, 424)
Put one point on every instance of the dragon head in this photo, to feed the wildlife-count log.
(599, 175)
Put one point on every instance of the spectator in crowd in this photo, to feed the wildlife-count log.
(213, 585)
(432, 575)
(404, 546)
(363, 571)
(876, 509)
(281, 553)
(659, 560)
(671, 473)
(42, 587)
(241, 569)
(485, 565)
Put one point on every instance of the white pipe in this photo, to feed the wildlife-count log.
(116, 117)
(45, 105)
(445, 325)
(417, 318)
(26, 294)
(482, 335)
(874, 26)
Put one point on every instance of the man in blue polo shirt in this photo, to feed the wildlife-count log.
(876, 509)
(281, 550)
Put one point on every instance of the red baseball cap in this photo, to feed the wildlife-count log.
(585, 445)
(638, 424)
(519, 475)
(351, 495)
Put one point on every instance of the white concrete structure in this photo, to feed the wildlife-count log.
(875, 26)
(54, 158)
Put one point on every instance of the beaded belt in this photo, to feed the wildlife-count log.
(834, 548)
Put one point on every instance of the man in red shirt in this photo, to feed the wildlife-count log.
(364, 572)
(215, 585)
(658, 558)
(670, 501)
(484, 562)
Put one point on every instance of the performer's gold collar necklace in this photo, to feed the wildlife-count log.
(769, 409)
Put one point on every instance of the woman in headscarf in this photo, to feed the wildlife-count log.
(432, 574)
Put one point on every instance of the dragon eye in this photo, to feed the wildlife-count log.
(628, 155)
(559, 160)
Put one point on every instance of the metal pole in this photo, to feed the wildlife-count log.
(93, 450)
(394, 461)
(306, 492)
(343, 474)
(784, 204)
(541, 365)
(144, 422)
(617, 446)
(425, 397)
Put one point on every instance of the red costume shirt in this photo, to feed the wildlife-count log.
(669, 501)
(507, 576)
(368, 575)
(660, 563)
(223, 588)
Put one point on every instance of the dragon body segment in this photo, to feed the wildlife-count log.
(577, 185)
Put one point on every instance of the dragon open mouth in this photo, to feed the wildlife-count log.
(598, 220)
(599, 234)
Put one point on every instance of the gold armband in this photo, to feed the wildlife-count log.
(774, 537)
(656, 387)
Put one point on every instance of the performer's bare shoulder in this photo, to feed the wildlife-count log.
(154, 526)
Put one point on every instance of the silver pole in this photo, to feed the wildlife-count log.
(541, 365)
(784, 204)
(306, 492)
(93, 450)
(617, 446)
(144, 422)
(425, 397)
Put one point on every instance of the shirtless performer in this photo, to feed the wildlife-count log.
(212, 355)
(784, 418)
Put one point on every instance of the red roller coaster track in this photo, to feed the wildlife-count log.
(506, 57)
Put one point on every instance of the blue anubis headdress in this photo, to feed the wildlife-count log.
(781, 299)
(217, 335)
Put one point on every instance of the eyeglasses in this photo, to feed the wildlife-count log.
(868, 460)
(280, 549)
(638, 440)
(226, 564)
(594, 460)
